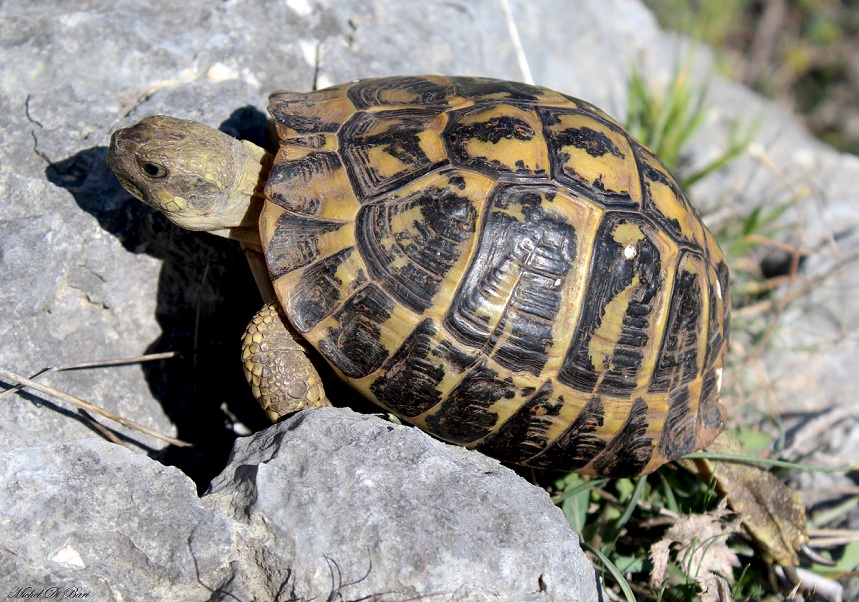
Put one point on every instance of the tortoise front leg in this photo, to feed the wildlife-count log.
(282, 377)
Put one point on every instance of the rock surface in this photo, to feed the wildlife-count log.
(332, 495)
(87, 273)
(329, 503)
(92, 516)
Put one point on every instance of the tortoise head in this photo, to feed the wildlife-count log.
(199, 177)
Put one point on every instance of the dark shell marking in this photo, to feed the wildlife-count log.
(501, 265)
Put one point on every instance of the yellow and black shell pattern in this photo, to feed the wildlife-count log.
(501, 265)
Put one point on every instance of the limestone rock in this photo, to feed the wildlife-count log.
(328, 502)
(334, 502)
(92, 516)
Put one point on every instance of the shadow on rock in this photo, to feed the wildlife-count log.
(206, 296)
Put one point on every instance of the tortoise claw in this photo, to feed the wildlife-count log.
(809, 554)
(791, 575)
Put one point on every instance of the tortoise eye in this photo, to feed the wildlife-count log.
(153, 170)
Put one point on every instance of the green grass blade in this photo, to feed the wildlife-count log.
(615, 572)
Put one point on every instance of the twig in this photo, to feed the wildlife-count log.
(105, 432)
(513, 30)
(97, 364)
(18, 380)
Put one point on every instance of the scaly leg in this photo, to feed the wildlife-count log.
(282, 377)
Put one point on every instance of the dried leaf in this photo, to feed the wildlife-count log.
(659, 554)
(701, 551)
(715, 589)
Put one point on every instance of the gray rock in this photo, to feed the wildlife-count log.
(334, 502)
(329, 502)
(92, 516)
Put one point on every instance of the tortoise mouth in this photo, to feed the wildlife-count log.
(133, 189)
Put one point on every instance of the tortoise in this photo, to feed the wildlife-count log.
(500, 264)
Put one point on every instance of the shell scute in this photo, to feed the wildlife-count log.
(509, 299)
(679, 429)
(312, 294)
(498, 139)
(611, 351)
(323, 111)
(467, 413)
(352, 337)
(682, 350)
(491, 91)
(430, 91)
(524, 434)
(630, 449)
(428, 362)
(579, 443)
(667, 204)
(315, 185)
(386, 150)
(297, 241)
(413, 240)
(587, 152)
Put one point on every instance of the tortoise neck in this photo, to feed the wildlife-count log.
(256, 167)
(250, 185)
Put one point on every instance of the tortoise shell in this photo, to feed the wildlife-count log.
(501, 265)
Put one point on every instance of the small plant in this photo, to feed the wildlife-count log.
(798, 51)
(665, 121)
(743, 240)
